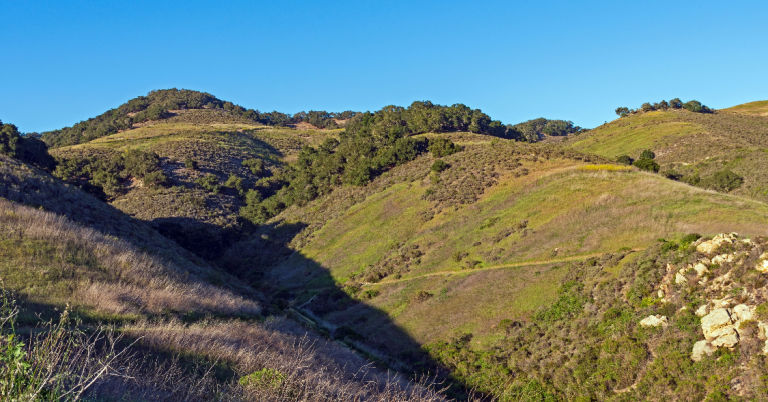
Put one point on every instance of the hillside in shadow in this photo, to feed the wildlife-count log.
(307, 292)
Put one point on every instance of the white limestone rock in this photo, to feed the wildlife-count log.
(654, 321)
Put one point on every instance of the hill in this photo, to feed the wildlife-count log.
(692, 147)
(420, 257)
(517, 261)
(197, 330)
(193, 170)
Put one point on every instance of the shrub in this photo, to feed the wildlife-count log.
(209, 182)
(422, 296)
(25, 148)
(155, 179)
(624, 160)
(57, 363)
(108, 182)
(725, 181)
(235, 183)
(190, 164)
(647, 154)
(622, 111)
(647, 164)
(439, 166)
(138, 163)
(441, 146)
(696, 106)
(371, 293)
(256, 166)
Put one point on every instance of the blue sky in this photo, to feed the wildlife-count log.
(66, 61)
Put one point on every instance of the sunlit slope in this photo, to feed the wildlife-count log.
(438, 261)
(692, 146)
(759, 108)
(218, 144)
(60, 245)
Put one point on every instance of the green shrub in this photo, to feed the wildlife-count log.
(624, 160)
(371, 293)
(439, 165)
(441, 146)
(155, 179)
(138, 163)
(108, 182)
(647, 164)
(647, 154)
(725, 181)
(25, 148)
(209, 182)
(265, 378)
(696, 107)
(235, 183)
(190, 164)
(256, 166)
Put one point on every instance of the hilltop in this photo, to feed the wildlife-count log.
(692, 147)
(508, 259)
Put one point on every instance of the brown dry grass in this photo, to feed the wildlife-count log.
(315, 369)
(132, 280)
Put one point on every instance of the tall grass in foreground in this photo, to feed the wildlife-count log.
(55, 363)
(121, 277)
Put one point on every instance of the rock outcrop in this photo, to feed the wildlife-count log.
(718, 275)
(654, 321)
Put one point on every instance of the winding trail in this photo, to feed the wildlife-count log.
(494, 267)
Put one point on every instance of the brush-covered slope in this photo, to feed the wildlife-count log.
(186, 170)
(425, 256)
(62, 245)
(199, 330)
(693, 147)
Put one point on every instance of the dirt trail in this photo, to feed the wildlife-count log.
(494, 267)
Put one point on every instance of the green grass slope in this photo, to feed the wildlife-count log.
(759, 108)
(198, 329)
(691, 146)
(489, 239)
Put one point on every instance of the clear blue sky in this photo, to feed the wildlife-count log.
(65, 61)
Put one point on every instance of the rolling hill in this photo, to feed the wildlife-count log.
(428, 239)
(208, 158)
(193, 329)
(692, 147)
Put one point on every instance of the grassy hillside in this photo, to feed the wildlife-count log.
(692, 147)
(193, 145)
(425, 257)
(199, 330)
(758, 108)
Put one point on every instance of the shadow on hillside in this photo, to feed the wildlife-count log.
(304, 289)
(204, 239)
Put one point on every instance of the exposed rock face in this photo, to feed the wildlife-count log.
(762, 264)
(702, 310)
(654, 321)
(701, 349)
(710, 247)
(714, 322)
(731, 301)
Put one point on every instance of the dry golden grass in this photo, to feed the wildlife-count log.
(312, 368)
(132, 281)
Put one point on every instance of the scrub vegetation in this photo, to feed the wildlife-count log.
(181, 247)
